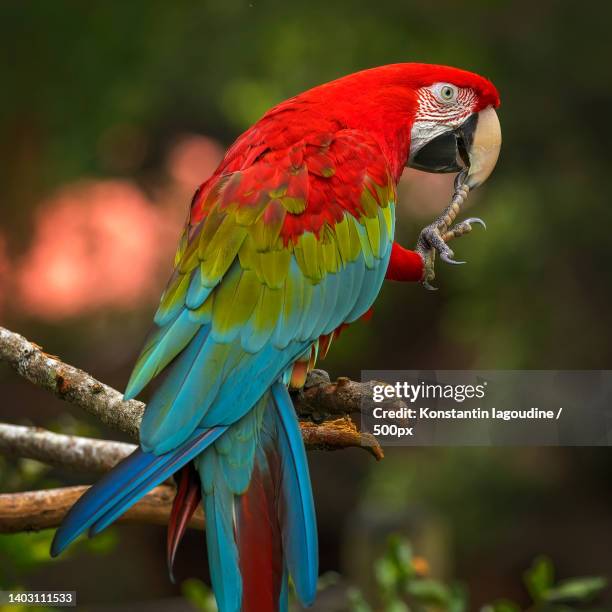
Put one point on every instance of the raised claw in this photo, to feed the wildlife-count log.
(448, 258)
(462, 228)
(434, 237)
(477, 220)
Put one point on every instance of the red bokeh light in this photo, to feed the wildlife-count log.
(193, 159)
(95, 244)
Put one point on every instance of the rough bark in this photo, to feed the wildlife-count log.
(72, 452)
(70, 383)
(326, 407)
(36, 510)
(320, 399)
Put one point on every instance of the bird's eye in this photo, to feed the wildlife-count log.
(447, 93)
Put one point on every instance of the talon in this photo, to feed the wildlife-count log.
(448, 259)
(477, 220)
(434, 237)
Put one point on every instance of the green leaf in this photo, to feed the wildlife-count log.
(326, 580)
(356, 601)
(426, 590)
(396, 606)
(502, 605)
(400, 552)
(386, 573)
(458, 598)
(576, 589)
(539, 578)
(199, 594)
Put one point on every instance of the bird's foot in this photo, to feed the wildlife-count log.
(434, 237)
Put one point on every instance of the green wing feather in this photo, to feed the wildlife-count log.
(263, 263)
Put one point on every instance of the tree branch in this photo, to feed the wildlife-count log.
(70, 383)
(90, 455)
(72, 452)
(321, 398)
(321, 401)
(35, 510)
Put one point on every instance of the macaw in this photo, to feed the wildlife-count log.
(286, 243)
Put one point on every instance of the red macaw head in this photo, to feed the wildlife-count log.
(456, 127)
(434, 118)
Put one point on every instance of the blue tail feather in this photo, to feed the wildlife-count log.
(124, 485)
(299, 525)
(177, 459)
(236, 500)
(267, 438)
(222, 552)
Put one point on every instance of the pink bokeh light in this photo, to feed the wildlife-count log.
(193, 159)
(96, 244)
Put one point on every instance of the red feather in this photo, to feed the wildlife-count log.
(404, 265)
(259, 540)
(342, 131)
(185, 503)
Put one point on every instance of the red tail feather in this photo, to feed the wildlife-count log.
(259, 540)
(185, 503)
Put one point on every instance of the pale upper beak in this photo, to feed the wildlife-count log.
(474, 145)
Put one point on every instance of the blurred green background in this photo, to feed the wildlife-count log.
(111, 114)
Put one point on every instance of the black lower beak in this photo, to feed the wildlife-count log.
(439, 155)
(448, 152)
(474, 146)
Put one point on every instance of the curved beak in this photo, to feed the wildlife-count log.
(473, 146)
